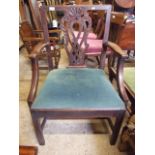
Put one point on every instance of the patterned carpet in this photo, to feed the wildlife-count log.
(62, 137)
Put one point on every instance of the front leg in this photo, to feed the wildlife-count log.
(38, 129)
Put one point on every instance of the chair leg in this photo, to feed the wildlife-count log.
(98, 60)
(111, 77)
(116, 129)
(38, 130)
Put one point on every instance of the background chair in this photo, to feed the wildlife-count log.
(125, 77)
(125, 42)
(95, 38)
(76, 92)
(33, 40)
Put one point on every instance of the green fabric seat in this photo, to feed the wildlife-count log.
(82, 88)
(129, 77)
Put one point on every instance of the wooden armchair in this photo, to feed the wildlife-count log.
(125, 77)
(95, 38)
(34, 40)
(36, 46)
(76, 92)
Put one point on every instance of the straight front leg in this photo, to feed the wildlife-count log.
(38, 130)
(116, 128)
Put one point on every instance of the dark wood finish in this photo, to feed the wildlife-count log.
(104, 27)
(22, 10)
(28, 150)
(116, 18)
(35, 79)
(125, 3)
(126, 37)
(34, 11)
(125, 41)
(127, 140)
(116, 67)
(33, 41)
(75, 15)
(35, 44)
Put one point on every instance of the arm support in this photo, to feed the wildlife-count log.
(117, 73)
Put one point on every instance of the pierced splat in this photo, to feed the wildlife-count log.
(76, 18)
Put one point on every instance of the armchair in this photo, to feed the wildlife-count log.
(34, 40)
(36, 47)
(76, 92)
(125, 77)
(95, 38)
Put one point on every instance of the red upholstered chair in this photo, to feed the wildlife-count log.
(98, 29)
(96, 38)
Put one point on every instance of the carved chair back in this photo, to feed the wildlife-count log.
(76, 18)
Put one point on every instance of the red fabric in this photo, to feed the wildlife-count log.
(90, 35)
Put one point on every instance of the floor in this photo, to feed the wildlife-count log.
(62, 137)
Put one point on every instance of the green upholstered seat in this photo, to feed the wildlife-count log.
(129, 77)
(81, 88)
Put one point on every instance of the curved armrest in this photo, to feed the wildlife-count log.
(50, 31)
(116, 49)
(33, 39)
(54, 31)
(37, 49)
(39, 39)
(117, 72)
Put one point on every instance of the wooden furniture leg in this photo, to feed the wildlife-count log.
(116, 128)
(38, 129)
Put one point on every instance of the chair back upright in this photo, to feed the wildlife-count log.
(76, 18)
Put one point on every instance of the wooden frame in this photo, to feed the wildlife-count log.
(74, 113)
(126, 40)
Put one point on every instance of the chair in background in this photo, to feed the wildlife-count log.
(95, 38)
(125, 77)
(33, 40)
(76, 92)
(95, 44)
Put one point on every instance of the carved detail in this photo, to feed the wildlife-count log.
(78, 19)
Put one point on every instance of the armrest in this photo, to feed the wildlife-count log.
(54, 31)
(33, 39)
(116, 68)
(37, 49)
(30, 39)
(116, 49)
(37, 31)
(50, 31)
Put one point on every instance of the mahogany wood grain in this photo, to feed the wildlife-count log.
(28, 150)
